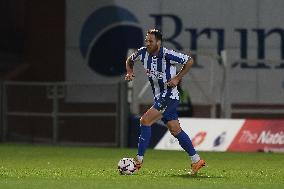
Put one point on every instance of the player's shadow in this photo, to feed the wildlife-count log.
(199, 176)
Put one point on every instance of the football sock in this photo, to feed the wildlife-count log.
(186, 143)
(195, 158)
(140, 158)
(144, 139)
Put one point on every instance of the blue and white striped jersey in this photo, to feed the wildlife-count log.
(160, 69)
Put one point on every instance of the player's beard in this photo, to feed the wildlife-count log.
(152, 50)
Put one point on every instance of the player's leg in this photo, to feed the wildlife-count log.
(183, 138)
(150, 117)
(170, 117)
(186, 144)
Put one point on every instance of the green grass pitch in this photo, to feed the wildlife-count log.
(40, 167)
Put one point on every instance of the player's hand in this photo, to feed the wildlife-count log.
(173, 82)
(129, 77)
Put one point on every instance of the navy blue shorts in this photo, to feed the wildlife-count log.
(168, 107)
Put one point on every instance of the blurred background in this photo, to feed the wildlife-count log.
(62, 68)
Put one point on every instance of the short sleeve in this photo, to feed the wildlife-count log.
(137, 55)
(176, 57)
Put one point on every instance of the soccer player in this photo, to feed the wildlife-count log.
(159, 63)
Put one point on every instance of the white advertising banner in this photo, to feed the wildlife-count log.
(206, 134)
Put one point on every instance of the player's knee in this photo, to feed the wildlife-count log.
(174, 130)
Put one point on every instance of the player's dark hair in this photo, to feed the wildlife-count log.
(158, 34)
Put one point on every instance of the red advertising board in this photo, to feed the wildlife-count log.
(259, 135)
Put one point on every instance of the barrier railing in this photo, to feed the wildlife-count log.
(93, 115)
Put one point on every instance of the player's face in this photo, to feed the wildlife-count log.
(152, 44)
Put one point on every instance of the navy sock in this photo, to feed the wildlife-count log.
(144, 139)
(186, 143)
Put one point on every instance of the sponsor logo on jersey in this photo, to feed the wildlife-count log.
(155, 74)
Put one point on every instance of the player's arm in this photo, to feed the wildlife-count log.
(184, 70)
(130, 63)
(129, 69)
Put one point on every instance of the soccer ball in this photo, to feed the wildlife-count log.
(126, 166)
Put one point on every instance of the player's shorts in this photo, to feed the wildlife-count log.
(168, 107)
